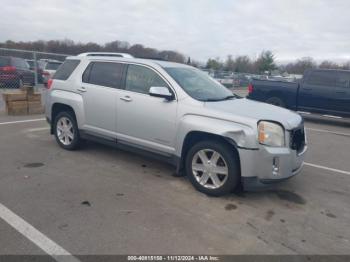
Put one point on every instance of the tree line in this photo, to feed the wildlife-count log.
(266, 63)
(70, 47)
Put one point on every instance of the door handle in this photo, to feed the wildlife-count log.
(307, 88)
(82, 89)
(126, 98)
(340, 92)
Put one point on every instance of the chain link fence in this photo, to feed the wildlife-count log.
(22, 67)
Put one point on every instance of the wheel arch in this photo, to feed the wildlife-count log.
(58, 108)
(194, 137)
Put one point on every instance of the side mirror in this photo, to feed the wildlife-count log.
(161, 91)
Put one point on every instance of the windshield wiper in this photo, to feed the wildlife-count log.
(219, 99)
(229, 97)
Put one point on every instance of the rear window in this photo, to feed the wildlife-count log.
(66, 69)
(4, 61)
(322, 78)
(20, 63)
(104, 74)
(52, 65)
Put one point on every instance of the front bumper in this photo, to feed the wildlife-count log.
(266, 166)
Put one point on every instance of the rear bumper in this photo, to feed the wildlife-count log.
(268, 166)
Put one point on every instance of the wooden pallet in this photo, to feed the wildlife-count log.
(23, 102)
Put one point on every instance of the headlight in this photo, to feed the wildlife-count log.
(270, 134)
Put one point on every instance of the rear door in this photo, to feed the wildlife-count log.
(340, 99)
(316, 91)
(99, 87)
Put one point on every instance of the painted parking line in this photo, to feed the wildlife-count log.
(22, 121)
(327, 131)
(34, 235)
(328, 168)
(37, 129)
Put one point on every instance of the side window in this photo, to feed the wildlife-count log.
(86, 73)
(322, 78)
(66, 69)
(104, 74)
(139, 79)
(343, 79)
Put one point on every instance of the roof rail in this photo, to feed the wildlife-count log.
(106, 54)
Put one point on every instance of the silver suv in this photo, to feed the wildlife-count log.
(178, 113)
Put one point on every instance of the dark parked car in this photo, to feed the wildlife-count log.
(15, 72)
(321, 91)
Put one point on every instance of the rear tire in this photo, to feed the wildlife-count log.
(213, 168)
(276, 101)
(66, 131)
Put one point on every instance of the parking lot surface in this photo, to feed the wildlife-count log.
(100, 200)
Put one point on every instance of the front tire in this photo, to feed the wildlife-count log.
(66, 131)
(213, 168)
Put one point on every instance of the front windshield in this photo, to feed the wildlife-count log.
(198, 84)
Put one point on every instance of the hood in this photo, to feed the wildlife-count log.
(257, 111)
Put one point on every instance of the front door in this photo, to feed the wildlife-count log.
(142, 120)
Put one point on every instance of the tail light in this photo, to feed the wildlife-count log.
(8, 69)
(250, 88)
(49, 83)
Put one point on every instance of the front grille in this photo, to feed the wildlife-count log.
(297, 139)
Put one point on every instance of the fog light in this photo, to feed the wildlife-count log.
(275, 166)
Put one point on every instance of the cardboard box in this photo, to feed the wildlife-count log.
(35, 107)
(14, 96)
(34, 97)
(28, 89)
(17, 108)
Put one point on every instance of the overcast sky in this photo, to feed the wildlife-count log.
(199, 28)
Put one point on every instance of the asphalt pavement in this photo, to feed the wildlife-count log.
(100, 200)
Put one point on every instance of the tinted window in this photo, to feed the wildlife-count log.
(66, 69)
(343, 79)
(52, 65)
(4, 61)
(104, 74)
(139, 79)
(86, 73)
(322, 78)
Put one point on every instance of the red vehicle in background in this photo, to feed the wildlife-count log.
(15, 72)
